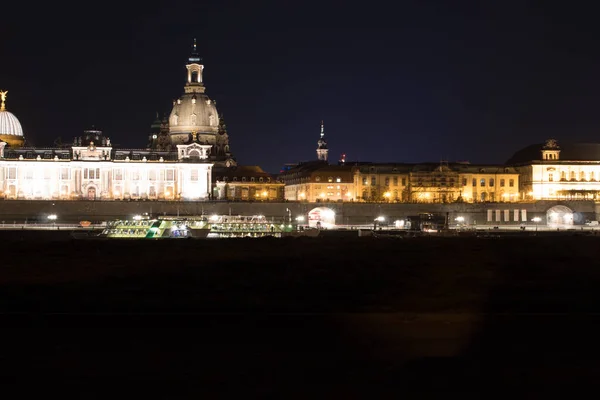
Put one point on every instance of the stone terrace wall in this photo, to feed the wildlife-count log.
(346, 213)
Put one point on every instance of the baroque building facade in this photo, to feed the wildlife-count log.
(551, 172)
(177, 163)
(91, 169)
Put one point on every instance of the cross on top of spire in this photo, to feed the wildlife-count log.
(194, 57)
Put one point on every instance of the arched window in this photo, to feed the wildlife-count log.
(252, 179)
(330, 179)
(582, 176)
(563, 176)
(572, 175)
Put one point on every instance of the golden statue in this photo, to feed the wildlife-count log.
(194, 136)
(3, 98)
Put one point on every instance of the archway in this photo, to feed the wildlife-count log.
(559, 217)
(321, 217)
(91, 193)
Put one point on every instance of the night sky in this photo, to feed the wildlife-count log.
(408, 81)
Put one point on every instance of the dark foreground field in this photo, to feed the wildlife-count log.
(300, 317)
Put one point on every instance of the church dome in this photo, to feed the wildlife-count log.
(11, 131)
(194, 115)
(194, 112)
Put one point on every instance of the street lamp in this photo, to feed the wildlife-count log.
(536, 220)
(52, 217)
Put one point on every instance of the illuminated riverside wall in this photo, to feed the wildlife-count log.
(345, 213)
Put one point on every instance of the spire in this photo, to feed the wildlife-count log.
(194, 57)
(322, 145)
(3, 94)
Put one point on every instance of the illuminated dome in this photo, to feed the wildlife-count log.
(194, 111)
(11, 131)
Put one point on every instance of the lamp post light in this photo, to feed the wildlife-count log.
(52, 217)
(536, 220)
(459, 221)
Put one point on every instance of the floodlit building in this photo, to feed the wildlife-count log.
(246, 183)
(551, 172)
(91, 169)
(177, 163)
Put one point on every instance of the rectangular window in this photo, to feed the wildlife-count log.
(403, 181)
(506, 215)
(516, 215)
(170, 175)
(135, 175)
(97, 173)
(395, 181)
(489, 215)
(550, 178)
(64, 174)
(474, 183)
(29, 173)
(387, 181)
(152, 175)
(523, 215)
(497, 215)
(12, 173)
(502, 182)
(118, 174)
(464, 181)
(482, 182)
(492, 182)
(373, 181)
(511, 183)
(194, 175)
(365, 181)
(85, 173)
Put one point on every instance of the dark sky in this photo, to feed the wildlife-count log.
(407, 81)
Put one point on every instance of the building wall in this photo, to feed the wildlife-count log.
(103, 180)
(249, 191)
(478, 187)
(436, 186)
(345, 213)
(561, 181)
(377, 186)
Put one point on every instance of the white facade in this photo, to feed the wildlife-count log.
(91, 174)
(561, 180)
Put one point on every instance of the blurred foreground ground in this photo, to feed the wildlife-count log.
(324, 317)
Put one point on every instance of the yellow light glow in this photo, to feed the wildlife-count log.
(387, 194)
(323, 194)
(265, 193)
